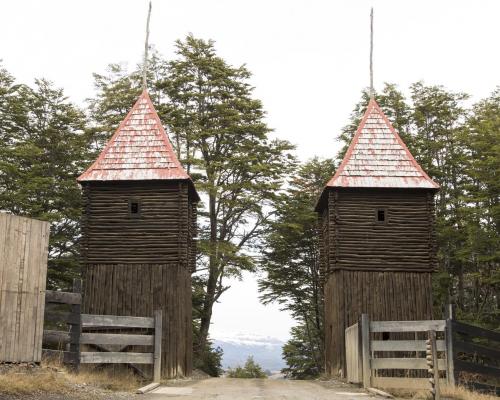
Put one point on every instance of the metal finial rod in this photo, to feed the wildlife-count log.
(146, 47)
(372, 91)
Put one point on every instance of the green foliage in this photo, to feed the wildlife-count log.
(297, 354)
(250, 370)
(290, 260)
(44, 149)
(459, 148)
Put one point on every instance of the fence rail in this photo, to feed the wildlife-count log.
(455, 353)
(86, 329)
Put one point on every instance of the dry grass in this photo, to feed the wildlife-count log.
(448, 392)
(55, 379)
(113, 378)
(16, 382)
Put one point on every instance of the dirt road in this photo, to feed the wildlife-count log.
(257, 389)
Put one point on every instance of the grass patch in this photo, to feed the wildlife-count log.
(115, 378)
(448, 392)
(16, 383)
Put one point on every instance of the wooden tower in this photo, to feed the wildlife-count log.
(378, 245)
(138, 229)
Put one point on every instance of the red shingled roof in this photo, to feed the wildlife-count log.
(138, 150)
(378, 158)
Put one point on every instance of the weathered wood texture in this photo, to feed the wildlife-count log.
(387, 296)
(23, 271)
(138, 290)
(379, 268)
(354, 359)
(353, 239)
(135, 265)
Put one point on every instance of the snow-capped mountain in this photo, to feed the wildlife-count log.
(266, 351)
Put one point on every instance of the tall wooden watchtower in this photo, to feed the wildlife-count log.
(139, 224)
(378, 245)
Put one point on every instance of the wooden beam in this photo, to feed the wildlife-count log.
(114, 321)
(407, 326)
(52, 296)
(157, 344)
(404, 363)
(365, 346)
(115, 358)
(116, 339)
(404, 345)
(403, 383)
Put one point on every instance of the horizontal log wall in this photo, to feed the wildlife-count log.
(385, 296)
(138, 290)
(357, 241)
(162, 233)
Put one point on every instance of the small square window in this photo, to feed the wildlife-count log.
(134, 208)
(381, 215)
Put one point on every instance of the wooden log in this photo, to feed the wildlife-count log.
(57, 337)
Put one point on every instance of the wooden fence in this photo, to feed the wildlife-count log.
(476, 357)
(23, 271)
(376, 359)
(87, 330)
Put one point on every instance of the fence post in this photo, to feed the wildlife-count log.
(450, 367)
(75, 328)
(365, 345)
(157, 349)
(432, 362)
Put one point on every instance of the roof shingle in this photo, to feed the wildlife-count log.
(138, 150)
(378, 158)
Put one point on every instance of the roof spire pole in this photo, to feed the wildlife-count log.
(372, 91)
(146, 47)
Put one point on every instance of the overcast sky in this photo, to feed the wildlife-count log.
(309, 61)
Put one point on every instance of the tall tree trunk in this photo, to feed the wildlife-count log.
(213, 273)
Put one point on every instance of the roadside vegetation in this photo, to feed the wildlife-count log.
(250, 370)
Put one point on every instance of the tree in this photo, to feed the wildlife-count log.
(250, 370)
(45, 150)
(297, 354)
(221, 135)
(291, 260)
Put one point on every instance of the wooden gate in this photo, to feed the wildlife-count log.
(23, 271)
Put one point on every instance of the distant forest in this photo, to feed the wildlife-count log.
(257, 197)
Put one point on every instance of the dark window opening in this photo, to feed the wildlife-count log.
(134, 208)
(381, 215)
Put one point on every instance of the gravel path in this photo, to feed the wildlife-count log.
(257, 389)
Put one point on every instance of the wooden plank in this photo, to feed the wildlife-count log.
(459, 327)
(404, 345)
(62, 316)
(465, 366)
(404, 363)
(147, 388)
(469, 347)
(115, 358)
(114, 321)
(50, 336)
(52, 296)
(76, 329)
(404, 383)
(118, 339)
(157, 342)
(450, 370)
(365, 346)
(407, 326)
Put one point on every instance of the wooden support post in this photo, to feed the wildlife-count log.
(432, 362)
(157, 349)
(450, 367)
(365, 345)
(75, 329)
